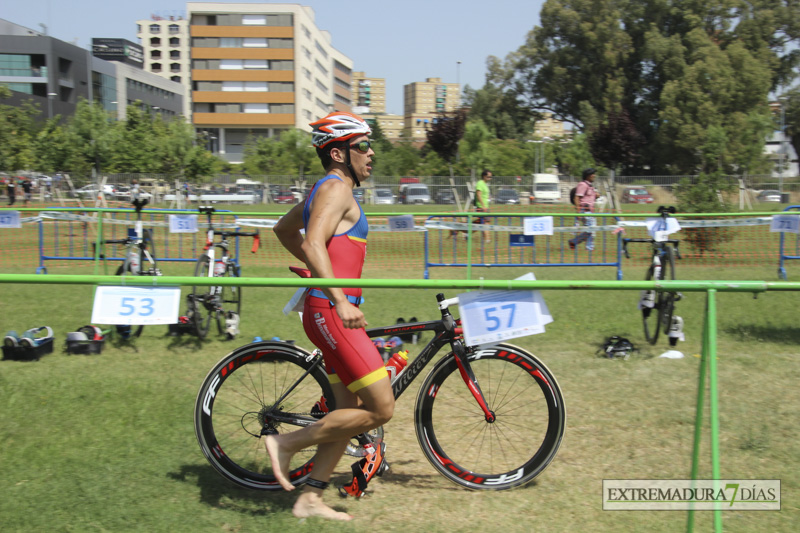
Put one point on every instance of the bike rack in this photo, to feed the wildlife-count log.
(782, 255)
(79, 246)
(520, 250)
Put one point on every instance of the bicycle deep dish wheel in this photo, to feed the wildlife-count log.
(509, 452)
(238, 402)
(664, 303)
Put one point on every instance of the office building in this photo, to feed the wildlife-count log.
(258, 69)
(166, 51)
(424, 101)
(369, 94)
(56, 75)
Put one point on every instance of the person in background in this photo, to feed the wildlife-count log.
(585, 196)
(482, 199)
(11, 190)
(27, 189)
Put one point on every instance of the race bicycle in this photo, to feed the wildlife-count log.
(221, 303)
(139, 258)
(658, 306)
(486, 417)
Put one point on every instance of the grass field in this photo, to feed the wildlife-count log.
(106, 443)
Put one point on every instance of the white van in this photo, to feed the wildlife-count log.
(546, 189)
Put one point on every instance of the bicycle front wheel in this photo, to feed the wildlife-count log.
(230, 298)
(202, 307)
(530, 419)
(251, 392)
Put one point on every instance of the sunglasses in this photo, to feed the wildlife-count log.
(362, 146)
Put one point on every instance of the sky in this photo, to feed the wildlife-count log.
(402, 41)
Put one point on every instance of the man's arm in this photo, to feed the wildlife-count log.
(288, 231)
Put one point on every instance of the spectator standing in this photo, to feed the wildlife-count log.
(585, 197)
(11, 190)
(481, 202)
(26, 189)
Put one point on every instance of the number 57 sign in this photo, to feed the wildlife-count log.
(493, 316)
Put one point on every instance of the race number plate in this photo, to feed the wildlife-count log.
(785, 223)
(538, 225)
(183, 223)
(10, 219)
(401, 223)
(136, 305)
(494, 316)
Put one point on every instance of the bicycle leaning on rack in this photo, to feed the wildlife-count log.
(658, 306)
(139, 258)
(488, 417)
(222, 303)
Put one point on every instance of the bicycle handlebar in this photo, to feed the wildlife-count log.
(674, 242)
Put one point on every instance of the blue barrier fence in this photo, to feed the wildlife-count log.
(794, 246)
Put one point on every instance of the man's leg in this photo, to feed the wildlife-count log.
(336, 427)
(310, 503)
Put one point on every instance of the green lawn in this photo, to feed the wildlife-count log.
(106, 443)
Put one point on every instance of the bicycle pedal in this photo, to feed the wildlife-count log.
(678, 296)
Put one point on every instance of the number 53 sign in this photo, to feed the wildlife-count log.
(136, 305)
(493, 316)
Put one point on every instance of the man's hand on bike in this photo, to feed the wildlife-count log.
(352, 317)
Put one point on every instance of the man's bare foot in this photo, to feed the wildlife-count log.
(280, 461)
(311, 504)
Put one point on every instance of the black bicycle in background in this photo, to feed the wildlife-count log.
(658, 306)
(221, 303)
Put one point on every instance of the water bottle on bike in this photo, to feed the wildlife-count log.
(396, 363)
(219, 268)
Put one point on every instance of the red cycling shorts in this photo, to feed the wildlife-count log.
(350, 356)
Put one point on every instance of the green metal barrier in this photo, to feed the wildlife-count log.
(708, 365)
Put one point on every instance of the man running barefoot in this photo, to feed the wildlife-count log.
(334, 246)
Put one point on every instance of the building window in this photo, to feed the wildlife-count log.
(155, 28)
(254, 42)
(174, 41)
(321, 68)
(256, 108)
(175, 54)
(174, 28)
(155, 67)
(321, 49)
(155, 54)
(155, 41)
(176, 79)
(175, 67)
(254, 20)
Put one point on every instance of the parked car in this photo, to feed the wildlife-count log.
(507, 196)
(282, 196)
(123, 193)
(636, 195)
(769, 196)
(383, 196)
(91, 191)
(358, 194)
(445, 196)
(416, 193)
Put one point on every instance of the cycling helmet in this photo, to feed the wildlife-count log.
(337, 126)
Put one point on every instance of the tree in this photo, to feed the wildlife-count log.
(693, 77)
(91, 130)
(446, 132)
(474, 146)
(616, 141)
(17, 131)
(792, 118)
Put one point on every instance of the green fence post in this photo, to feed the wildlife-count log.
(469, 246)
(713, 397)
(698, 419)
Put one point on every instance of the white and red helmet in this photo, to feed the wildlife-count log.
(337, 126)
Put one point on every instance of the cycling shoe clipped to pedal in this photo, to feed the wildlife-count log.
(374, 464)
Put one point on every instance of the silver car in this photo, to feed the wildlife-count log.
(769, 196)
(417, 194)
(383, 196)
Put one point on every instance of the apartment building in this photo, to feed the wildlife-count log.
(391, 125)
(369, 93)
(166, 51)
(258, 69)
(423, 101)
(550, 127)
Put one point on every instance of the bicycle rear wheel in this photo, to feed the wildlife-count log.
(530, 419)
(666, 299)
(203, 306)
(245, 396)
(230, 298)
(650, 314)
(147, 254)
(134, 331)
